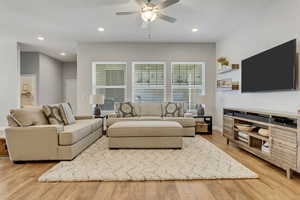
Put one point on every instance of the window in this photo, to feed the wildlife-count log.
(188, 81)
(109, 79)
(148, 82)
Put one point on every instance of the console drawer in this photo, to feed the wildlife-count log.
(284, 136)
(228, 122)
(228, 132)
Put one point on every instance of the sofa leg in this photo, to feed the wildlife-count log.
(18, 162)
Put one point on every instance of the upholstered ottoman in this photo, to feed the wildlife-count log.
(145, 134)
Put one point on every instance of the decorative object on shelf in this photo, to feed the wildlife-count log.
(200, 101)
(265, 147)
(223, 64)
(97, 100)
(244, 127)
(231, 68)
(264, 132)
(228, 84)
(223, 61)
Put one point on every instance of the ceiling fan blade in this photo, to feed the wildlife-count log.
(167, 3)
(126, 13)
(166, 18)
(141, 3)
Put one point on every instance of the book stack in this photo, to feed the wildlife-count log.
(265, 147)
(244, 137)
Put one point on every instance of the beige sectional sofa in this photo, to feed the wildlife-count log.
(154, 112)
(52, 142)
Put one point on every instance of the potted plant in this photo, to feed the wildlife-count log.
(223, 63)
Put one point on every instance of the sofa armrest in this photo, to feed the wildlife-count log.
(33, 143)
(189, 115)
(82, 117)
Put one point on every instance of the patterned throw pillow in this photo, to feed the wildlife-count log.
(13, 122)
(125, 109)
(67, 113)
(53, 115)
(171, 109)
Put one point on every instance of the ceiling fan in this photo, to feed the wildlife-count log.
(149, 11)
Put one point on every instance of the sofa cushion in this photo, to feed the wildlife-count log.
(145, 129)
(172, 109)
(126, 109)
(67, 113)
(184, 121)
(12, 122)
(29, 116)
(150, 109)
(53, 115)
(75, 132)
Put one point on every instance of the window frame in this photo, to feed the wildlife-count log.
(94, 85)
(133, 77)
(203, 86)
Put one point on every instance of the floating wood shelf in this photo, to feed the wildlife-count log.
(228, 85)
(227, 69)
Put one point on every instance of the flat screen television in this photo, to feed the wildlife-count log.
(271, 70)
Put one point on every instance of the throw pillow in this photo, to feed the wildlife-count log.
(67, 113)
(53, 115)
(29, 116)
(13, 122)
(126, 109)
(171, 109)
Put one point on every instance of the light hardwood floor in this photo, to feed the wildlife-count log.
(20, 182)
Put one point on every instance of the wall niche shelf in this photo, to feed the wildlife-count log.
(228, 85)
(226, 69)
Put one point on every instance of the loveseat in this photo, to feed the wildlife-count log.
(42, 141)
(153, 112)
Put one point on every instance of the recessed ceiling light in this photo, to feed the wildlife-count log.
(41, 38)
(194, 29)
(100, 29)
(63, 54)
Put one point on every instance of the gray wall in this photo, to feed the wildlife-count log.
(130, 52)
(50, 80)
(52, 77)
(29, 63)
(9, 78)
(69, 81)
(278, 24)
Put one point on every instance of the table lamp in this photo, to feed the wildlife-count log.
(200, 101)
(97, 100)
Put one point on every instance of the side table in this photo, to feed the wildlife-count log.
(203, 124)
(3, 146)
(103, 117)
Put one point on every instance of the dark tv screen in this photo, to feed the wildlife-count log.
(272, 70)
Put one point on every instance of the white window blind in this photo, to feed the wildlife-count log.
(109, 79)
(148, 82)
(188, 81)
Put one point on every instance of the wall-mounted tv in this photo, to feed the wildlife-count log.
(271, 70)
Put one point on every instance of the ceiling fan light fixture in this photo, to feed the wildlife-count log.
(148, 14)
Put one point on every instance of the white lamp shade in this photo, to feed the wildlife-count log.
(200, 100)
(97, 99)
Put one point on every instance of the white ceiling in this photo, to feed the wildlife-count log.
(64, 23)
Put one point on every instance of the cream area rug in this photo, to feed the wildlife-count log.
(199, 159)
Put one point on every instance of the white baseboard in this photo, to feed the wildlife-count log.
(217, 128)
